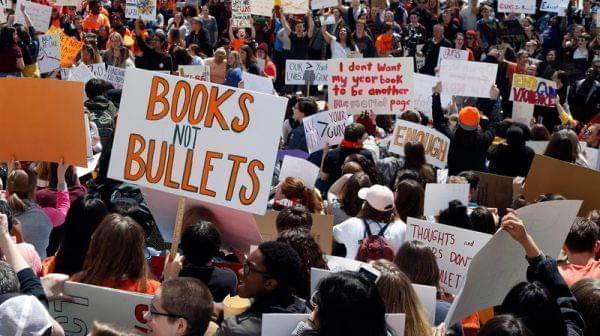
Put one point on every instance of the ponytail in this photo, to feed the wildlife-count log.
(16, 203)
(312, 201)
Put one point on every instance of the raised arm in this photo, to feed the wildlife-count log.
(326, 36)
(252, 29)
(26, 16)
(311, 24)
(285, 23)
(230, 30)
(439, 122)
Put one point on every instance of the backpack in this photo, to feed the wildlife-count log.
(373, 247)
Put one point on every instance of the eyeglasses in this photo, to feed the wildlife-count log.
(247, 269)
(154, 312)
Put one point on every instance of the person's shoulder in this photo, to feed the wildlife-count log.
(244, 324)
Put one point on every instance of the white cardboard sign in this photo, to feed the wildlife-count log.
(452, 54)
(516, 6)
(325, 128)
(467, 79)
(295, 71)
(81, 73)
(453, 247)
(115, 76)
(295, 6)
(437, 196)
(197, 72)
(102, 304)
(319, 4)
(501, 264)
(380, 85)
(257, 83)
(198, 140)
(262, 7)
(136, 8)
(39, 15)
(302, 169)
(49, 55)
(240, 13)
(422, 93)
(554, 6)
(98, 69)
(435, 143)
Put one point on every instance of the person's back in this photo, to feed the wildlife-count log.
(101, 111)
(36, 227)
(581, 245)
(513, 158)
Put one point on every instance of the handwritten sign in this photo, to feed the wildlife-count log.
(295, 6)
(262, 7)
(467, 79)
(197, 72)
(381, 85)
(115, 76)
(69, 48)
(97, 69)
(454, 249)
(438, 195)
(510, 30)
(452, 54)
(146, 9)
(241, 13)
(554, 6)
(38, 14)
(49, 55)
(421, 99)
(92, 303)
(197, 140)
(325, 128)
(533, 90)
(4, 4)
(81, 74)
(435, 143)
(297, 70)
(319, 4)
(516, 6)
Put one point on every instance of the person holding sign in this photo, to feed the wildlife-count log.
(117, 54)
(11, 57)
(341, 45)
(431, 49)
(94, 20)
(30, 46)
(153, 57)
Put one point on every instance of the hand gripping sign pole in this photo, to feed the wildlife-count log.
(177, 231)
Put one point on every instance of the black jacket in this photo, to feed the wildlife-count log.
(511, 161)
(151, 59)
(201, 39)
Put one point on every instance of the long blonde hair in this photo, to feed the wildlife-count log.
(238, 61)
(399, 296)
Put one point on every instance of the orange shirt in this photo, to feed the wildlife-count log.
(94, 22)
(384, 44)
(513, 68)
(237, 43)
(573, 273)
(131, 285)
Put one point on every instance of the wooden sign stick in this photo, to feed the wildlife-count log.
(177, 230)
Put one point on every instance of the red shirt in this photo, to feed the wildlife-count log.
(8, 58)
(573, 273)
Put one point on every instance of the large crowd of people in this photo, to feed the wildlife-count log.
(57, 226)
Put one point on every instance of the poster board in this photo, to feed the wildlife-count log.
(240, 14)
(533, 90)
(512, 30)
(467, 79)
(262, 7)
(422, 94)
(81, 73)
(320, 4)
(42, 138)
(522, 112)
(435, 143)
(93, 303)
(115, 76)
(380, 85)
(98, 69)
(517, 6)
(294, 6)
(197, 72)
(548, 175)
(452, 54)
(501, 263)
(197, 140)
(295, 71)
(146, 9)
(539, 147)
(49, 55)
(299, 168)
(69, 48)
(38, 14)
(453, 247)
(554, 6)
(438, 195)
(494, 191)
(4, 4)
(322, 228)
(237, 228)
(323, 128)
(257, 83)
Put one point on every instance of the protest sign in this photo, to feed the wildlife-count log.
(81, 73)
(262, 7)
(501, 264)
(297, 70)
(237, 228)
(72, 3)
(592, 157)
(299, 168)
(69, 48)
(93, 303)
(554, 6)
(98, 69)
(421, 99)
(324, 128)
(467, 79)
(285, 324)
(294, 6)
(516, 6)
(45, 127)
(437, 196)
(522, 112)
(380, 85)
(539, 147)
(533, 90)
(38, 14)
(494, 191)
(435, 143)
(197, 140)
(322, 228)
(453, 247)
(49, 55)
(548, 175)
(511, 30)
(197, 72)
(4, 4)
(257, 83)
(240, 14)
(146, 9)
(319, 4)
(115, 76)
(452, 54)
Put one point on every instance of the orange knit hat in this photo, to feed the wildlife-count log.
(468, 118)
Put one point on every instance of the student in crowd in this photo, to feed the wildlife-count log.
(11, 57)
(587, 293)
(116, 259)
(581, 246)
(152, 55)
(431, 49)
(341, 45)
(293, 217)
(234, 69)
(482, 220)
(199, 36)
(563, 145)
(513, 158)
(375, 219)
(117, 54)
(181, 306)
(269, 277)
(409, 199)
(292, 191)
(249, 60)
(414, 158)
(591, 135)
(262, 53)
(30, 46)
(346, 204)
(218, 66)
(100, 110)
(345, 303)
(305, 107)
(504, 325)
(310, 253)
(26, 250)
(400, 298)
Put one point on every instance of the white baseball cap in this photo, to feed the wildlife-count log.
(379, 197)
